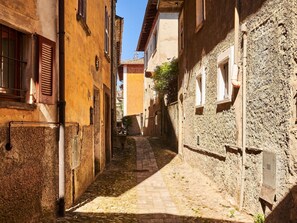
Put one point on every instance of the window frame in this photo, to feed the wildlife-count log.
(155, 41)
(201, 18)
(106, 33)
(225, 57)
(81, 15)
(181, 33)
(17, 39)
(200, 91)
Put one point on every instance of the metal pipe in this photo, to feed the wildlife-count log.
(244, 64)
(61, 106)
(234, 78)
(112, 80)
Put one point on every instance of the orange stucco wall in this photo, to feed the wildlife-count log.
(80, 50)
(134, 89)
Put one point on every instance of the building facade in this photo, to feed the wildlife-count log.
(28, 107)
(57, 64)
(237, 100)
(131, 73)
(159, 42)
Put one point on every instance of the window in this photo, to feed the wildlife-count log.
(155, 36)
(82, 10)
(200, 88)
(12, 64)
(224, 86)
(81, 15)
(146, 59)
(181, 32)
(46, 70)
(106, 36)
(200, 14)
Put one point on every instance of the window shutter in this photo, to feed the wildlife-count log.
(46, 70)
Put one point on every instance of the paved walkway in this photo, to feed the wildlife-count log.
(152, 193)
(150, 185)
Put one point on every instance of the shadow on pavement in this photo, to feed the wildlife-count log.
(138, 218)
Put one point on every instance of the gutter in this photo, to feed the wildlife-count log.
(234, 78)
(244, 64)
(61, 107)
(112, 79)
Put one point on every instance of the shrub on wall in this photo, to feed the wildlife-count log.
(165, 79)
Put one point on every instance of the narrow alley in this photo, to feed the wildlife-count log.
(147, 182)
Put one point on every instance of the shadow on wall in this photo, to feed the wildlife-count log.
(285, 211)
(170, 123)
(152, 119)
(134, 127)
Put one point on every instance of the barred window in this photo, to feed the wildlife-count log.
(12, 64)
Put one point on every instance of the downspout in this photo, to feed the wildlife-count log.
(234, 78)
(244, 64)
(61, 107)
(112, 80)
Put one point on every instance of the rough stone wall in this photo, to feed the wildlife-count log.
(29, 174)
(269, 93)
(170, 131)
(79, 161)
(271, 109)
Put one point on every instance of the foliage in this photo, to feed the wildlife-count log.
(165, 79)
(232, 213)
(259, 218)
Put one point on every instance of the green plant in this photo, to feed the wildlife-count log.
(259, 218)
(165, 79)
(232, 213)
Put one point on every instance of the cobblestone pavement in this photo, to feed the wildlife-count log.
(148, 183)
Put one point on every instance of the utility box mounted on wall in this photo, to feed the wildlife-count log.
(269, 177)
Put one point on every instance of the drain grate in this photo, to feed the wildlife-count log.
(140, 171)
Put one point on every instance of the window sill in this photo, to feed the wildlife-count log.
(198, 27)
(199, 109)
(107, 56)
(224, 101)
(84, 25)
(17, 105)
(153, 54)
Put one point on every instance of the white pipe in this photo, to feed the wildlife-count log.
(61, 162)
(234, 78)
(244, 64)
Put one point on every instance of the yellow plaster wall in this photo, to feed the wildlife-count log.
(80, 51)
(30, 18)
(134, 93)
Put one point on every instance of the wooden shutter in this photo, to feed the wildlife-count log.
(46, 70)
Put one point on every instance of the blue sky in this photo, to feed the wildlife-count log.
(132, 11)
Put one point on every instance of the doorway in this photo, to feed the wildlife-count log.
(107, 125)
(96, 130)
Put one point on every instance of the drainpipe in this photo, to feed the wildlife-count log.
(61, 107)
(234, 78)
(244, 64)
(112, 80)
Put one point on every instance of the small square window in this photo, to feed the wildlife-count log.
(200, 88)
(224, 86)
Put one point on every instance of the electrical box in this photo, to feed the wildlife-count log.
(269, 177)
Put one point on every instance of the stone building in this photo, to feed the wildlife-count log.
(237, 100)
(159, 41)
(55, 103)
(131, 73)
